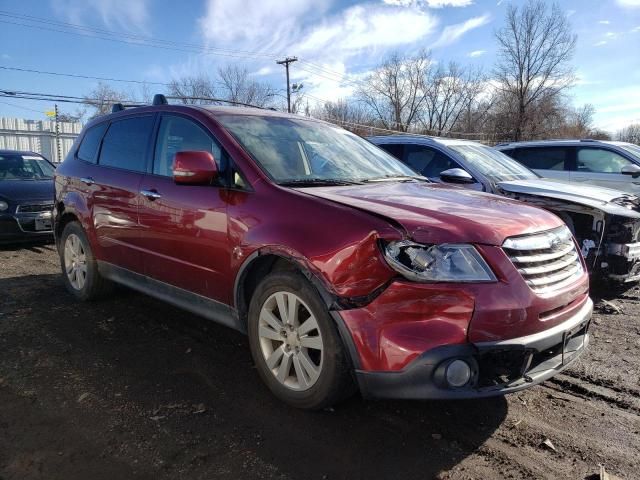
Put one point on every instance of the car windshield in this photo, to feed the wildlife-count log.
(491, 163)
(298, 151)
(631, 148)
(24, 167)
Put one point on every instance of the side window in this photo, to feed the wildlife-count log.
(125, 144)
(427, 161)
(394, 149)
(177, 134)
(599, 160)
(548, 158)
(91, 143)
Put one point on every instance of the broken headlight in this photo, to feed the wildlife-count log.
(447, 262)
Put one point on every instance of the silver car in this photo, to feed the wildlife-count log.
(605, 222)
(608, 164)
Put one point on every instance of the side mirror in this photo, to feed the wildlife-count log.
(194, 168)
(631, 169)
(456, 175)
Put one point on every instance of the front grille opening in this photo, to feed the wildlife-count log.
(554, 262)
(500, 367)
(34, 208)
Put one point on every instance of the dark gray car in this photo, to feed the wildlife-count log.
(605, 222)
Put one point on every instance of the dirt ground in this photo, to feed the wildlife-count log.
(133, 388)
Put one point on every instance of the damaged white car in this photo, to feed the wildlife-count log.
(605, 222)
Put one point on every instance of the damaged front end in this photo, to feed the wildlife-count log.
(608, 233)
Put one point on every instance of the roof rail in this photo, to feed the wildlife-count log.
(159, 99)
(588, 140)
(211, 99)
(117, 107)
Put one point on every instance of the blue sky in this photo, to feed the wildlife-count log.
(337, 43)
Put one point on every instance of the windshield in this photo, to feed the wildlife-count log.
(491, 163)
(300, 151)
(631, 148)
(24, 167)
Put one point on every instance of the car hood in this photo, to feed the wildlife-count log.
(605, 199)
(436, 213)
(21, 190)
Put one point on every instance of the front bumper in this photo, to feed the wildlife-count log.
(29, 227)
(498, 367)
(624, 262)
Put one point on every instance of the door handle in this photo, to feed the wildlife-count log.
(87, 180)
(150, 194)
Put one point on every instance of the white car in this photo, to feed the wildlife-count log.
(609, 164)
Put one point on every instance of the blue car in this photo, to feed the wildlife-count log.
(26, 197)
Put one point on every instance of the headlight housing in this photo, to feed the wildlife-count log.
(448, 262)
(3, 205)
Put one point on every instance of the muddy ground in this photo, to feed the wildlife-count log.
(133, 388)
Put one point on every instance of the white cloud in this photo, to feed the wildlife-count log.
(448, 3)
(635, 30)
(126, 14)
(476, 53)
(452, 33)
(429, 3)
(600, 43)
(629, 3)
(604, 22)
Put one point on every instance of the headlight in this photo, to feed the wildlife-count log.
(438, 263)
(3, 205)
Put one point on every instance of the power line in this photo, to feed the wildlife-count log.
(20, 106)
(89, 77)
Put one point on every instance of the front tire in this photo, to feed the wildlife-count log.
(79, 266)
(294, 343)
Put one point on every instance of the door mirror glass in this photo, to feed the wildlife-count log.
(631, 169)
(456, 175)
(194, 168)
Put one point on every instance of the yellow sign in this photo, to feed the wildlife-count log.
(50, 113)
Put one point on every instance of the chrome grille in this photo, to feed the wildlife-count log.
(547, 261)
(34, 208)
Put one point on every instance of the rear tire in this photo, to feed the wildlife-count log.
(298, 353)
(79, 267)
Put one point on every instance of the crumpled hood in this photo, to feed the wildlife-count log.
(436, 213)
(21, 190)
(606, 199)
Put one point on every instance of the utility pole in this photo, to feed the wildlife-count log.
(59, 152)
(286, 63)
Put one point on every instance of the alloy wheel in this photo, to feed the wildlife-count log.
(290, 341)
(75, 261)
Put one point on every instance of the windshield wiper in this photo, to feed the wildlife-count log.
(397, 178)
(317, 182)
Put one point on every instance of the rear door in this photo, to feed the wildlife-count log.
(185, 226)
(601, 166)
(548, 162)
(115, 187)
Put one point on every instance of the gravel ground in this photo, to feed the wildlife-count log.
(132, 388)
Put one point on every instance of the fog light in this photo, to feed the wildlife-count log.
(3, 205)
(458, 373)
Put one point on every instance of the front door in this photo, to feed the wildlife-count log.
(601, 166)
(185, 226)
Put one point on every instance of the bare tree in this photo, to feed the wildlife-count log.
(630, 134)
(192, 89)
(101, 99)
(536, 46)
(395, 91)
(237, 85)
(449, 94)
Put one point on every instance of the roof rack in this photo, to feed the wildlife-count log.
(161, 99)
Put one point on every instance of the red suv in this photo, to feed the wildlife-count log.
(346, 270)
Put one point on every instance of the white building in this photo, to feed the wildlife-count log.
(38, 136)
